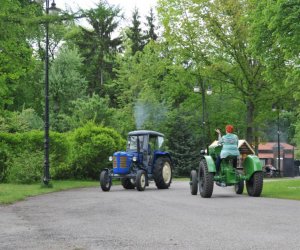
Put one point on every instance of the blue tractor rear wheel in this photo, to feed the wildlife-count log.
(127, 183)
(162, 173)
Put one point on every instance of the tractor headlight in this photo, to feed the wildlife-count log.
(110, 158)
(134, 158)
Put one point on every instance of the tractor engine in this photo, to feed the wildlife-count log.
(122, 162)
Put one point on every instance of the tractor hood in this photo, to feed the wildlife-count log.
(122, 161)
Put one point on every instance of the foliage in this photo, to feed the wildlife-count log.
(150, 33)
(20, 121)
(4, 151)
(66, 82)
(25, 168)
(246, 50)
(81, 153)
(16, 60)
(91, 146)
(97, 46)
(135, 33)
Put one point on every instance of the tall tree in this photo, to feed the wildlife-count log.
(99, 45)
(213, 37)
(16, 60)
(66, 82)
(150, 33)
(135, 33)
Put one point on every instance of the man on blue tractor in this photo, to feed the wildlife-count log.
(230, 146)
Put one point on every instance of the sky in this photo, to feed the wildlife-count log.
(127, 6)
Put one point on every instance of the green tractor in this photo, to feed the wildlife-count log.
(248, 169)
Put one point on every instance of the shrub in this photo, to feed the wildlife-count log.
(81, 153)
(25, 168)
(4, 151)
(91, 146)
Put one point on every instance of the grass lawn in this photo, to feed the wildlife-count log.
(10, 193)
(282, 188)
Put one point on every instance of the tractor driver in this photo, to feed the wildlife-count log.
(230, 146)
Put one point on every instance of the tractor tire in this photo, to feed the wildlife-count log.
(105, 181)
(127, 184)
(206, 180)
(162, 173)
(194, 182)
(255, 184)
(140, 181)
(239, 187)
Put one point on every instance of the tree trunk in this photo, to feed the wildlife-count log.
(250, 119)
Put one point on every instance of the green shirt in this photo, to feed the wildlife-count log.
(230, 145)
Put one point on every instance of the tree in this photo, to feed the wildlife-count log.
(98, 46)
(66, 83)
(16, 61)
(213, 38)
(150, 33)
(135, 33)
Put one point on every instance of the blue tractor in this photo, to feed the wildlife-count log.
(143, 161)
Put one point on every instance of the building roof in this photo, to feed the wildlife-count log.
(265, 156)
(145, 132)
(271, 145)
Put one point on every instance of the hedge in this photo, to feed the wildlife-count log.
(79, 154)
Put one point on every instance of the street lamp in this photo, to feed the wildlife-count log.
(201, 89)
(48, 10)
(274, 108)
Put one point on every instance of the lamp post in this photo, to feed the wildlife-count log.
(48, 10)
(274, 108)
(201, 89)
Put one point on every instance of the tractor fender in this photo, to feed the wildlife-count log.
(251, 165)
(158, 154)
(210, 163)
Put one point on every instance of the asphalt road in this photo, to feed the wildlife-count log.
(154, 219)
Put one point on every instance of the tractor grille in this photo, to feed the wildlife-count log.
(119, 162)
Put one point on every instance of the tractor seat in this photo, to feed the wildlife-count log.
(231, 159)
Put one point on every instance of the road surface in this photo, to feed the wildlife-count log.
(154, 219)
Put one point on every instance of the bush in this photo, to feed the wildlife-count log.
(4, 151)
(81, 153)
(25, 168)
(91, 146)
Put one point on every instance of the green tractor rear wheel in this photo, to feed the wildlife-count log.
(255, 184)
(194, 182)
(206, 180)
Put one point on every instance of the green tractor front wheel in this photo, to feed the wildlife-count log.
(193, 182)
(239, 187)
(206, 180)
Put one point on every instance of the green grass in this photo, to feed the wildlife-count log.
(282, 188)
(10, 193)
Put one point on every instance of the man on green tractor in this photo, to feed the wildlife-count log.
(230, 146)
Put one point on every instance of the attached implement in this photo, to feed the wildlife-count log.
(248, 169)
(142, 162)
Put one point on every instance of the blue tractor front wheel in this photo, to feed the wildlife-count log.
(105, 180)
